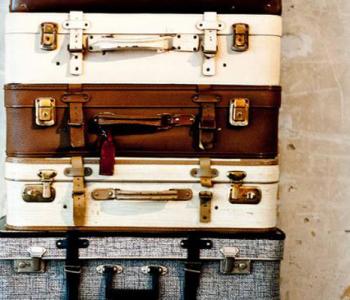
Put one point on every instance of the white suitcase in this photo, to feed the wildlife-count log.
(171, 48)
(154, 194)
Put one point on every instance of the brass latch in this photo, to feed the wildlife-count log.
(45, 111)
(41, 192)
(205, 206)
(240, 37)
(116, 194)
(49, 36)
(33, 265)
(230, 265)
(239, 112)
(240, 194)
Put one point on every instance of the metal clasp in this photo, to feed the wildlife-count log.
(33, 265)
(45, 111)
(41, 193)
(240, 194)
(240, 37)
(49, 36)
(230, 265)
(239, 112)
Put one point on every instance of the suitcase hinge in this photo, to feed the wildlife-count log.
(76, 26)
(207, 122)
(240, 194)
(205, 172)
(211, 26)
(33, 265)
(239, 112)
(205, 206)
(79, 197)
(41, 193)
(240, 37)
(49, 33)
(230, 265)
(45, 111)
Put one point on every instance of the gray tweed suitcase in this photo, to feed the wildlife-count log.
(95, 265)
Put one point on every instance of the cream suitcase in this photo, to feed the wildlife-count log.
(154, 194)
(143, 48)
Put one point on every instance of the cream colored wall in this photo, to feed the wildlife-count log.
(315, 149)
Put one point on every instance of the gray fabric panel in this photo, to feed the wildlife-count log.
(262, 284)
(125, 247)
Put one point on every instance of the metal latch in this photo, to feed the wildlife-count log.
(239, 112)
(240, 194)
(205, 206)
(41, 193)
(205, 172)
(240, 37)
(116, 194)
(211, 26)
(49, 36)
(230, 265)
(33, 265)
(45, 111)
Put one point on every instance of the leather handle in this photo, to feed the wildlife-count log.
(116, 194)
(126, 294)
(159, 121)
(158, 44)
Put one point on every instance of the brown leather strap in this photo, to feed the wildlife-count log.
(160, 121)
(76, 117)
(207, 123)
(79, 199)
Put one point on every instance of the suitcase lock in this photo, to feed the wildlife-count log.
(49, 36)
(239, 112)
(240, 194)
(240, 37)
(45, 112)
(230, 265)
(33, 265)
(41, 193)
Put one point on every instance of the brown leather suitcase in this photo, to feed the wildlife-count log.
(146, 6)
(141, 120)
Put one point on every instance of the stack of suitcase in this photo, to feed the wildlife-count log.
(142, 144)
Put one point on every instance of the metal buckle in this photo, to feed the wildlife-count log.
(45, 111)
(240, 194)
(240, 37)
(49, 36)
(41, 193)
(239, 112)
(33, 265)
(230, 265)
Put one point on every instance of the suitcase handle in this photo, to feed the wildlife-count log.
(178, 42)
(159, 121)
(158, 44)
(126, 294)
(116, 194)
